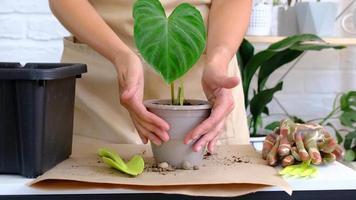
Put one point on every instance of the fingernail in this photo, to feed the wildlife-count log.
(166, 138)
(196, 137)
(188, 142)
(198, 148)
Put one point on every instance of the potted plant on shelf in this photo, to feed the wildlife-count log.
(262, 65)
(172, 46)
(316, 17)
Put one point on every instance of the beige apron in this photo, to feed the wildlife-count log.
(98, 113)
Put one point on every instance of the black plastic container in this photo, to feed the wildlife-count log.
(36, 116)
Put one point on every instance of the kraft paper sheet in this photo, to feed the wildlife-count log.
(233, 171)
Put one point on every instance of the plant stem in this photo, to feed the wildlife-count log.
(329, 115)
(181, 96)
(254, 132)
(172, 93)
(318, 119)
(178, 95)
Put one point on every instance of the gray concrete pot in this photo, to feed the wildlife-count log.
(181, 119)
(316, 17)
(287, 21)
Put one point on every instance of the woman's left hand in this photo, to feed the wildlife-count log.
(217, 87)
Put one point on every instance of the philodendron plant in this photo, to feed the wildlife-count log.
(171, 45)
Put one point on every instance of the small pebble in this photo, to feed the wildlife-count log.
(196, 167)
(171, 168)
(154, 169)
(163, 165)
(186, 165)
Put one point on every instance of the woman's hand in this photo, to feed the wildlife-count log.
(217, 87)
(130, 78)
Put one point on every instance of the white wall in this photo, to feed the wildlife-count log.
(29, 33)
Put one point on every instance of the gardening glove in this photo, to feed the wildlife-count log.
(216, 86)
(131, 83)
(292, 142)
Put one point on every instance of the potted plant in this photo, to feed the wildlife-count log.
(262, 65)
(316, 17)
(172, 46)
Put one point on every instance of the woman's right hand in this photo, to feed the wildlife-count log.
(131, 84)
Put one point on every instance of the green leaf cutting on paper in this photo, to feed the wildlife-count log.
(133, 167)
(171, 45)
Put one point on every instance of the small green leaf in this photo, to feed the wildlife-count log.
(337, 133)
(348, 101)
(260, 100)
(245, 53)
(348, 118)
(266, 110)
(170, 45)
(350, 155)
(299, 170)
(296, 119)
(272, 125)
(349, 139)
(134, 167)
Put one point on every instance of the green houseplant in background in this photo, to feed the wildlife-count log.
(344, 110)
(172, 45)
(264, 63)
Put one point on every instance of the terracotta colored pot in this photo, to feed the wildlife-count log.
(181, 119)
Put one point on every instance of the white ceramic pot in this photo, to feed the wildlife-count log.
(261, 20)
(257, 142)
(316, 17)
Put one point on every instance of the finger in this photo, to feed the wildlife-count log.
(143, 138)
(203, 141)
(139, 109)
(228, 82)
(163, 135)
(154, 119)
(211, 145)
(223, 81)
(214, 133)
(219, 112)
(152, 137)
(149, 117)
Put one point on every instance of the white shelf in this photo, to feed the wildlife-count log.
(332, 40)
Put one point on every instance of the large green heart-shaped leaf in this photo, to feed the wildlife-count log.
(171, 45)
